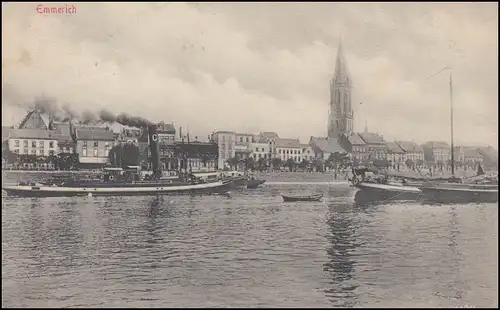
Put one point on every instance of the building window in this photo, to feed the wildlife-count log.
(84, 151)
(33, 152)
(85, 143)
(241, 139)
(16, 143)
(95, 152)
(256, 149)
(51, 153)
(33, 144)
(25, 143)
(16, 151)
(51, 144)
(96, 143)
(25, 151)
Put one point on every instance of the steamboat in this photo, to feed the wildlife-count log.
(123, 182)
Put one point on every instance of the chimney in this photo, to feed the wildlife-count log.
(155, 150)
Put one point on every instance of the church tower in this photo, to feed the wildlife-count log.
(340, 119)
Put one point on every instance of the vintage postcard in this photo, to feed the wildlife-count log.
(240, 154)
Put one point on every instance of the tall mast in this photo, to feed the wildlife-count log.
(451, 121)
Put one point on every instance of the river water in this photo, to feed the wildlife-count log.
(247, 250)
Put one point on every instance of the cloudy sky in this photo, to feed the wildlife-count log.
(261, 66)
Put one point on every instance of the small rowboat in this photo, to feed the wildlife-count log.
(316, 197)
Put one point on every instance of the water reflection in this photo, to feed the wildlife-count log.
(454, 287)
(341, 265)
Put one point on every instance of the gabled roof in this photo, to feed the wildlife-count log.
(62, 128)
(44, 118)
(165, 128)
(40, 134)
(269, 135)
(326, 145)
(436, 144)
(88, 134)
(489, 153)
(355, 139)
(287, 143)
(410, 147)
(394, 148)
(372, 138)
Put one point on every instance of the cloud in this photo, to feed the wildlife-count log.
(262, 66)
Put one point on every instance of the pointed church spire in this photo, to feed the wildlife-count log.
(341, 71)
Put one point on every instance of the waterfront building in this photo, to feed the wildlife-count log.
(260, 150)
(355, 145)
(375, 144)
(413, 153)
(395, 155)
(226, 144)
(467, 156)
(289, 148)
(34, 142)
(437, 152)
(93, 146)
(270, 138)
(197, 156)
(308, 153)
(323, 148)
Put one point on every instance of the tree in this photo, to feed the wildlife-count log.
(380, 163)
(338, 160)
(420, 162)
(409, 163)
(9, 156)
(318, 164)
(290, 163)
(249, 163)
(124, 155)
(304, 163)
(65, 161)
(233, 162)
(261, 164)
(276, 162)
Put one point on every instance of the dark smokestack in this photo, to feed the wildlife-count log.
(155, 150)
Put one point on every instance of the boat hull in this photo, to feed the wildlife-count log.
(459, 194)
(372, 192)
(254, 183)
(301, 198)
(61, 191)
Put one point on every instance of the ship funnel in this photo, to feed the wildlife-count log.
(155, 150)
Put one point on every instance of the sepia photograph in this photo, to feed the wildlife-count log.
(250, 154)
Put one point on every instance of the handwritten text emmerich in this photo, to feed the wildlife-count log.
(56, 9)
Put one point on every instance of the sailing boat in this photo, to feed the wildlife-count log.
(456, 191)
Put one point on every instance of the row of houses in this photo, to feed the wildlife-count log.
(39, 136)
(364, 147)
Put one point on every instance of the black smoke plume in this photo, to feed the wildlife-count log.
(132, 121)
(107, 116)
(88, 117)
(69, 113)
